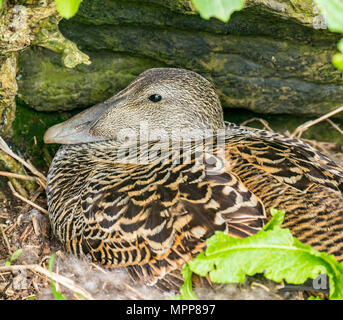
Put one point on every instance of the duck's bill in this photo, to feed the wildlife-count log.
(78, 128)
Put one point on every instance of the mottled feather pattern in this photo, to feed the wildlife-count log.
(295, 177)
(153, 217)
(150, 209)
(295, 157)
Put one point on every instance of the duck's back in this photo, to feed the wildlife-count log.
(289, 174)
(152, 217)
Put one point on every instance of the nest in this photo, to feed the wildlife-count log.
(24, 224)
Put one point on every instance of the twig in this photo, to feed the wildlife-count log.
(5, 239)
(25, 234)
(18, 176)
(335, 126)
(300, 130)
(33, 199)
(124, 284)
(97, 267)
(20, 189)
(16, 194)
(4, 147)
(10, 227)
(260, 285)
(78, 291)
(134, 291)
(36, 226)
(3, 292)
(264, 122)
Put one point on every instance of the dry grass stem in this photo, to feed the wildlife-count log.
(36, 226)
(260, 285)
(17, 176)
(4, 147)
(33, 199)
(297, 133)
(5, 239)
(20, 189)
(127, 286)
(78, 291)
(16, 194)
(262, 121)
(139, 296)
(25, 233)
(98, 268)
(335, 126)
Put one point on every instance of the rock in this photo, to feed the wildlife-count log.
(272, 57)
(46, 85)
(35, 23)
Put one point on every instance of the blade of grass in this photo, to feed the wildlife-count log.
(57, 295)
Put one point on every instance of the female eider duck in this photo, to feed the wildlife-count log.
(132, 187)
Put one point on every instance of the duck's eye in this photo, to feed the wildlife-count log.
(155, 98)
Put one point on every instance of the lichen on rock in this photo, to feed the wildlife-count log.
(31, 22)
(303, 11)
(268, 58)
(8, 90)
(35, 22)
(24, 23)
(50, 37)
(273, 57)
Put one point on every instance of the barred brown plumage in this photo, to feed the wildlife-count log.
(154, 214)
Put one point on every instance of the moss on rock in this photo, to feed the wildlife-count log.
(270, 59)
(56, 87)
(28, 131)
(258, 61)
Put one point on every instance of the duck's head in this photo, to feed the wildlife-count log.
(161, 99)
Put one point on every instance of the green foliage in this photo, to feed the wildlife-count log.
(14, 256)
(67, 8)
(337, 59)
(221, 9)
(315, 298)
(331, 9)
(273, 251)
(57, 295)
(186, 290)
(333, 13)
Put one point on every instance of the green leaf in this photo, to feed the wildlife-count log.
(186, 290)
(273, 252)
(315, 298)
(278, 216)
(16, 254)
(57, 295)
(332, 10)
(340, 45)
(221, 9)
(333, 13)
(67, 8)
(337, 59)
